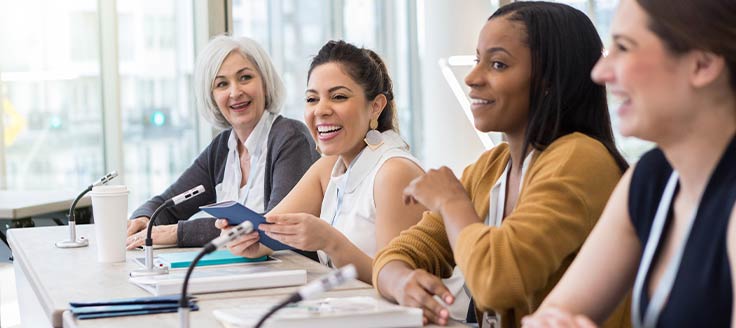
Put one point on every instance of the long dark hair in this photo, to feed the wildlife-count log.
(563, 99)
(703, 24)
(367, 69)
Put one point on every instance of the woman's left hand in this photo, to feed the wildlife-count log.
(299, 230)
(554, 317)
(435, 189)
(161, 235)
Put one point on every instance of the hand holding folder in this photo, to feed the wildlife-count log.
(128, 306)
(235, 213)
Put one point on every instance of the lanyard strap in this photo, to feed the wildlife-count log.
(664, 287)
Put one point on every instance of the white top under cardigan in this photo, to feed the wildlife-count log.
(498, 193)
(251, 195)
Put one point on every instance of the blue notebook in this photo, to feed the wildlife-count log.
(235, 213)
(130, 301)
(128, 306)
(223, 256)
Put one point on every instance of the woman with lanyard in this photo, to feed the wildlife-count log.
(668, 228)
(256, 161)
(519, 214)
(348, 204)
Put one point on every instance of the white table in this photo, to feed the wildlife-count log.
(48, 278)
(19, 207)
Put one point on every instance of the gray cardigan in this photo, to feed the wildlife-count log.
(290, 152)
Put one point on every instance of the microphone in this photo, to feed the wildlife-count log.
(105, 179)
(82, 242)
(149, 270)
(314, 288)
(233, 233)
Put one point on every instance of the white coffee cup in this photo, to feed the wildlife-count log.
(110, 207)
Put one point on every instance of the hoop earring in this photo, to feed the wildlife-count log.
(373, 138)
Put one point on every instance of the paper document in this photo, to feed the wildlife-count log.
(325, 312)
(221, 279)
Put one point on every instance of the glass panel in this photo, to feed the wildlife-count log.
(50, 93)
(156, 53)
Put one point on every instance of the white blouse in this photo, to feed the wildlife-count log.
(251, 195)
(349, 204)
(350, 207)
(498, 193)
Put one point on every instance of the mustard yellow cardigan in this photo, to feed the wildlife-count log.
(511, 268)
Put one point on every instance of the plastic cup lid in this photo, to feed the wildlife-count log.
(109, 189)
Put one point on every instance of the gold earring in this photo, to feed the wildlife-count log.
(373, 124)
(373, 138)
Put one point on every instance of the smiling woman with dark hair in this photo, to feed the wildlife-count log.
(519, 214)
(348, 204)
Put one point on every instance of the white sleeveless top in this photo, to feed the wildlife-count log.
(348, 204)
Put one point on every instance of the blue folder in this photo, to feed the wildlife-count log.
(129, 301)
(128, 306)
(235, 213)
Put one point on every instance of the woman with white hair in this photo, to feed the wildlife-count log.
(255, 161)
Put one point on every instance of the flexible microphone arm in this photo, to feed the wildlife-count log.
(242, 229)
(73, 242)
(314, 288)
(148, 248)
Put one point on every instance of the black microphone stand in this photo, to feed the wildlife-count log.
(149, 269)
(73, 242)
(313, 289)
(237, 231)
(184, 300)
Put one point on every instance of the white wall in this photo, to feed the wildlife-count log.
(449, 28)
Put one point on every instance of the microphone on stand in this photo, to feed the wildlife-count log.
(314, 288)
(150, 270)
(241, 229)
(73, 242)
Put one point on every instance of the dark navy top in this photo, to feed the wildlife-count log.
(701, 293)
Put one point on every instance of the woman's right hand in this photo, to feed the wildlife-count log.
(246, 245)
(416, 288)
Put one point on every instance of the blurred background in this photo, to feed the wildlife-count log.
(90, 86)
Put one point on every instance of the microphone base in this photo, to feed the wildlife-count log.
(156, 271)
(81, 242)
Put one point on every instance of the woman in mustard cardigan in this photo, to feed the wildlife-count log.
(519, 214)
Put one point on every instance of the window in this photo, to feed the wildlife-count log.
(156, 51)
(50, 96)
(51, 101)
